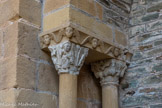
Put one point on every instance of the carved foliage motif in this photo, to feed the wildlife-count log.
(75, 36)
(68, 57)
(109, 71)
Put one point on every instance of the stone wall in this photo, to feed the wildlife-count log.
(21, 59)
(27, 74)
(141, 87)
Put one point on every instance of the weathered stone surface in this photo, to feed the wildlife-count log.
(141, 99)
(147, 90)
(144, 73)
(56, 19)
(114, 15)
(85, 5)
(22, 98)
(8, 9)
(8, 73)
(51, 5)
(155, 51)
(99, 9)
(149, 37)
(10, 34)
(31, 11)
(66, 15)
(26, 73)
(154, 8)
(81, 104)
(8, 98)
(158, 43)
(154, 79)
(138, 10)
(48, 78)
(137, 55)
(154, 25)
(1, 43)
(156, 106)
(121, 38)
(157, 67)
(90, 90)
(17, 72)
(137, 30)
(143, 19)
(91, 24)
(42, 100)
(152, 1)
(93, 105)
(28, 44)
(145, 47)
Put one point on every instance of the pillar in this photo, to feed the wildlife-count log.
(68, 91)
(109, 71)
(68, 59)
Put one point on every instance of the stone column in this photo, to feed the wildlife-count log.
(68, 59)
(109, 71)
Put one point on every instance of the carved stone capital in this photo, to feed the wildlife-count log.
(109, 71)
(68, 57)
(56, 36)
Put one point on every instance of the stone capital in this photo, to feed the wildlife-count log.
(68, 57)
(109, 71)
(104, 48)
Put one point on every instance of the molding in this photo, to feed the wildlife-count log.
(68, 57)
(69, 33)
(109, 71)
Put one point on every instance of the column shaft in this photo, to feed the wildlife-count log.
(110, 96)
(68, 91)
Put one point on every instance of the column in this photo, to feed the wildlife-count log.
(68, 59)
(109, 71)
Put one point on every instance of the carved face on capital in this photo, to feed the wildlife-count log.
(47, 40)
(67, 46)
(69, 31)
(94, 43)
(116, 52)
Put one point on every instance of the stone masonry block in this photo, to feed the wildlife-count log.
(88, 87)
(54, 4)
(7, 73)
(8, 98)
(27, 40)
(81, 104)
(26, 73)
(99, 9)
(22, 98)
(30, 10)
(48, 78)
(8, 9)
(17, 72)
(56, 19)
(121, 38)
(41, 100)
(91, 24)
(1, 43)
(10, 34)
(28, 43)
(85, 5)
